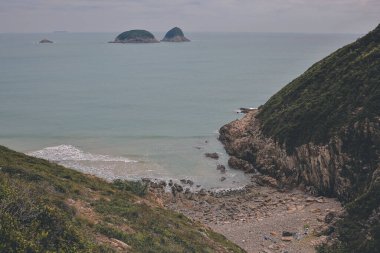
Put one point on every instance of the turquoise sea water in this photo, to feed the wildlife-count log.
(142, 110)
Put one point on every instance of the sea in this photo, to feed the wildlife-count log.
(132, 111)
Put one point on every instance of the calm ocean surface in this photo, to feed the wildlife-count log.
(142, 110)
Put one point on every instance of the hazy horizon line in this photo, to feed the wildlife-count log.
(117, 32)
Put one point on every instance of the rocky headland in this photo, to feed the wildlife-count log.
(175, 35)
(135, 36)
(321, 133)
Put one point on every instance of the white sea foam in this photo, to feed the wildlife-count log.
(70, 153)
(117, 167)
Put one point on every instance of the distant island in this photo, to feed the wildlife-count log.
(175, 35)
(135, 36)
(317, 138)
(45, 41)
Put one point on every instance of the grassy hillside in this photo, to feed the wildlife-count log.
(337, 92)
(339, 98)
(45, 207)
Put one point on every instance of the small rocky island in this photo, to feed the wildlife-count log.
(175, 35)
(135, 36)
(45, 41)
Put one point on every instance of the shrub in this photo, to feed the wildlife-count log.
(136, 187)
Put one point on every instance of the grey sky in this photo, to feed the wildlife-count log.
(352, 16)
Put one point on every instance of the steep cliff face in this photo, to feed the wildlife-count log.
(322, 132)
(329, 169)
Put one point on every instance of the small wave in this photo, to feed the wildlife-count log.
(215, 131)
(71, 153)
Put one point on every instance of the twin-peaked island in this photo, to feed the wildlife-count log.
(143, 36)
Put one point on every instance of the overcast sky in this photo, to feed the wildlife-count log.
(315, 16)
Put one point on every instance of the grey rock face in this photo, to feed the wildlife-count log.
(319, 168)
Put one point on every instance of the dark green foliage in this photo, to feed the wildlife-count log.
(359, 231)
(339, 98)
(31, 223)
(111, 232)
(133, 34)
(155, 234)
(35, 214)
(173, 33)
(336, 248)
(337, 92)
(136, 187)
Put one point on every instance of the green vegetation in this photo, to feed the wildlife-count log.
(45, 207)
(339, 98)
(134, 35)
(136, 187)
(359, 231)
(335, 93)
(173, 33)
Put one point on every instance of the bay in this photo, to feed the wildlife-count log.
(143, 110)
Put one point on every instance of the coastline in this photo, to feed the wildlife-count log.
(258, 218)
(253, 216)
(299, 145)
(76, 212)
(110, 165)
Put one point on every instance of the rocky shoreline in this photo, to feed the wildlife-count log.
(321, 133)
(257, 218)
(251, 151)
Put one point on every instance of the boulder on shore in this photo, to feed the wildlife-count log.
(212, 155)
(175, 35)
(135, 36)
(221, 168)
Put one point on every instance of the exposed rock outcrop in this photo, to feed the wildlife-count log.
(316, 167)
(322, 132)
(212, 155)
(135, 36)
(175, 35)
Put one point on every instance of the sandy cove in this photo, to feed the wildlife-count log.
(258, 218)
